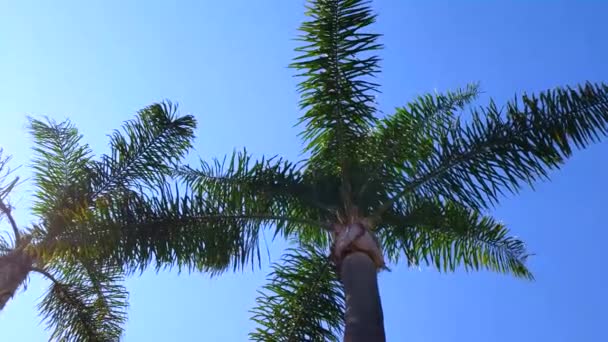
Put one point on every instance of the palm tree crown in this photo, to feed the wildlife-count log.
(83, 205)
(415, 182)
(412, 186)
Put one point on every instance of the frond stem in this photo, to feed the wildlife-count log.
(46, 274)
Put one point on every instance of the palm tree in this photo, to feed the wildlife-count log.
(97, 220)
(412, 186)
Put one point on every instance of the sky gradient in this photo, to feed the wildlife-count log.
(98, 62)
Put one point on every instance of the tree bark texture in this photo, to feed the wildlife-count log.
(14, 268)
(364, 317)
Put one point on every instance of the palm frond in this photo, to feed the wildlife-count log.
(60, 167)
(449, 235)
(145, 151)
(85, 302)
(401, 140)
(69, 182)
(188, 231)
(303, 302)
(268, 185)
(475, 163)
(336, 93)
(273, 186)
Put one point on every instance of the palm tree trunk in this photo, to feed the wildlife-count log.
(364, 317)
(14, 268)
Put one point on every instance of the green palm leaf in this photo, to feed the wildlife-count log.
(60, 173)
(500, 150)
(417, 181)
(448, 236)
(145, 151)
(85, 302)
(400, 141)
(337, 94)
(273, 187)
(269, 185)
(302, 302)
(169, 228)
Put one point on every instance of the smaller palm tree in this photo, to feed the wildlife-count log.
(97, 220)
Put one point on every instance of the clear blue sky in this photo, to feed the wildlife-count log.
(97, 62)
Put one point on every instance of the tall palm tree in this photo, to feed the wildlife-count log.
(409, 187)
(96, 220)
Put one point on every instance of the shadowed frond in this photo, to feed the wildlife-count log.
(86, 302)
(189, 231)
(337, 93)
(475, 163)
(448, 235)
(60, 167)
(69, 183)
(273, 186)
(269, 185)
(303, 302)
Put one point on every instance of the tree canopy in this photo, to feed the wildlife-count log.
(421, 179)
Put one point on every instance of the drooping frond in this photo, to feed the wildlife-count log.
(60, 168)
(167, 229)
(303, 302)
(146, 149)
(69, 183)
(448, 236)
(337, 94)
(86, 302)
(274, 187)
(475, 163)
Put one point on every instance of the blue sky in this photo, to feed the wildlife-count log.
(97, 62)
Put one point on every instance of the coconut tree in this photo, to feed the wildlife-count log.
(95, 220)
(413, 186)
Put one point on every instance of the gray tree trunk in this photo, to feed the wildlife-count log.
(364, 317)
(14, 268)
